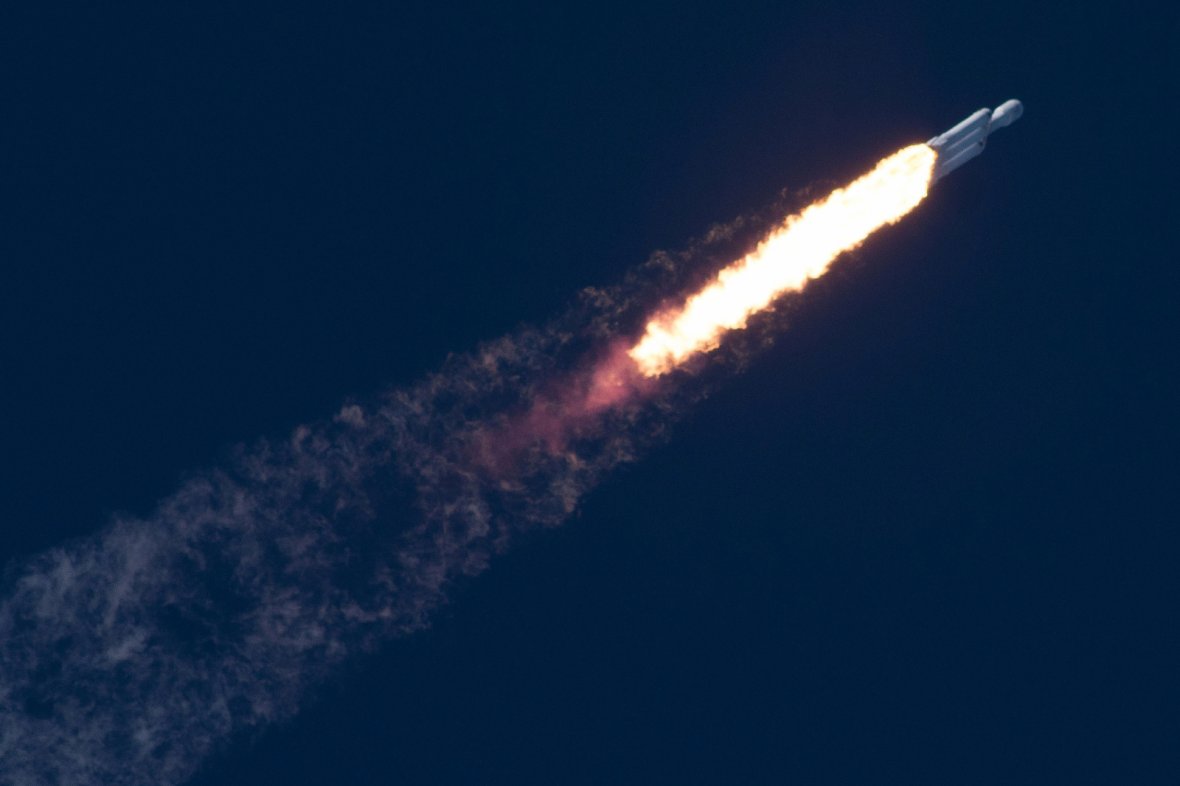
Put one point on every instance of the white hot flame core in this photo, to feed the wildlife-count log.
(800, 249)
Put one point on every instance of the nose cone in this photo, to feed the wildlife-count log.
(1007, 113)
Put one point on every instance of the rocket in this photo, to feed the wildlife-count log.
(966, 140)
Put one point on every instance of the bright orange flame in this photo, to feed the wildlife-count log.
(801, 249)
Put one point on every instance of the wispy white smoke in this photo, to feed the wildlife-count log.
(130, 656)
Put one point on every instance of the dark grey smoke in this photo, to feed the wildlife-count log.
(130, 656)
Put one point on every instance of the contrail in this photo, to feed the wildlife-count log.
(129, 657)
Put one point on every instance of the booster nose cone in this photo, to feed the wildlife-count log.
(1007, 113)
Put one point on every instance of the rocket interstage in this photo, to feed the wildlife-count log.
(804, 246)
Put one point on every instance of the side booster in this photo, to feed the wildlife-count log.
(966, 140)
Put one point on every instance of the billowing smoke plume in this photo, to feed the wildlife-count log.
(130, 656)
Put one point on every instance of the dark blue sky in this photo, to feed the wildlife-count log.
(929, 536)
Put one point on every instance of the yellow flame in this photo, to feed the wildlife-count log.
(800, 249)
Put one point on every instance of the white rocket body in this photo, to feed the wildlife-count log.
(966, 140)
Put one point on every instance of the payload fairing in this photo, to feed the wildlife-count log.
(966, 140)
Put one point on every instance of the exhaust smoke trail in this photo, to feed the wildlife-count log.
(133, 655)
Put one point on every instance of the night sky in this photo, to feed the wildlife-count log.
(927, 537)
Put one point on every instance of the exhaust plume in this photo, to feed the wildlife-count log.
(130, 656)
(798, 251)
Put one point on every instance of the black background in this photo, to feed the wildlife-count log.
(928, 537)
